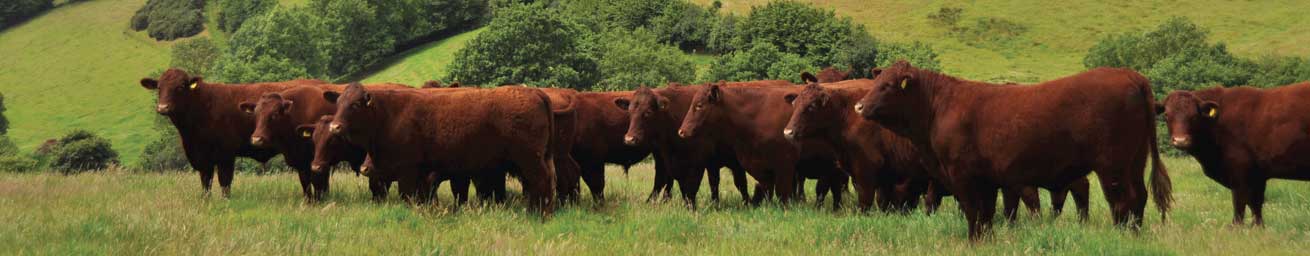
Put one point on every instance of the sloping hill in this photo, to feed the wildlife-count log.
(1060, 32)
(77, 67)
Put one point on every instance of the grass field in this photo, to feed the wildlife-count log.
(423, 63)
(128, 213)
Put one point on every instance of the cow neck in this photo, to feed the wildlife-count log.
(1207, 149)
(673, 114)
(201, 113)
(734, 113)
(842, 100)
(382, 104)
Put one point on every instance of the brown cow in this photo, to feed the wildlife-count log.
(827, 75)
(459, 133)
(881, 161)
(750, 121)
(979, 136)
(213, 132)
(599, 140)
(330, 150)
(277, 116)
(1242, 137)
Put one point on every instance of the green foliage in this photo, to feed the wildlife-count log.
(1198, 68)
(797, 28)
(918, 54)
(527, 44)
(629, 59)
(280, 45)
(946, 17)
(1276, 70)
(761, 61)
(353, 35)
(170, 19)
(196, 56)
(81, 151)
(4, 121)
(235, 12)
(721, 35)
(1140, 51)
(684, 24)
(414, 20)
(164, 153)
(15, 11)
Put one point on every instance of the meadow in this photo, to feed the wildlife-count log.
(119, 212)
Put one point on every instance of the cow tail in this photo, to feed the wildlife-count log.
(1161, 186)
(550, 142)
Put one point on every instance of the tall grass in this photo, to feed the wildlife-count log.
(128, 213)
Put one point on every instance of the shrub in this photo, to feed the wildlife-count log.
(761, 61)
(684, 24)
(1142, 51)
(796, 28)
(279, 45)
(412, 21)
(233, 13)
(4, 121)
(526, 44)
(165, 153)
(629, 59)
(721, 36)
(81, 151)
(1199, 68)
(196, 56)
(170, 19)
(859, 53)
(918, 54)
(14, 11)
(1276, 70)
(946, 17)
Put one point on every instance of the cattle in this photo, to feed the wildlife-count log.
(330, 150)
(412, 133)
(565, 117)
(277, 116)
(827, 75)
(978, 136)
(1242, 137)
(213, 131)
(750, 120)
(599, 140)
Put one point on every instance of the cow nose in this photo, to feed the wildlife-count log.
(631, 141)
(316, 168)
(683, 133)
(257, 141)
(335, 127)
(859, 108)
(163, 108)
(1180, 141)
(789, 133)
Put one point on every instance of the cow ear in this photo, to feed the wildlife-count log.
(194, 83)
(874, 73)
(1210, 109)
(305, 130)
(455, 85)
(664, 101)
(432, 84)
(808, 78)
(286, 105)
(1159, 108)
(791, 98)
(331, 96)
(149, 83)
(715, 92)
(247, 107)
(622, 103)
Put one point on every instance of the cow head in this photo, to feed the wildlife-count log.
(355, 111)
(368, 165)
(812, 110)
(898, 98)
(1187, 115)
(175, 89)
(328, 148)
(643, 108)
(704, 106)
(272, 116)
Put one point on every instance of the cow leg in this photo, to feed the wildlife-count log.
(713, 174)
(406, 187)
(932, 199)
(564, 163)
(739, 180)
(1081, 190)
(1058, 196)
(459, 187)
(1031, 200)
(1257, 202)
(226, 169)
(1010, 197)
(306, 184)
(838, 189)
(690, 185)
(886, 197)
(1240, 195)
(206, 179)
(821, 187)
(379, 187)
(986, 209)
(784, 183)
(321, 181)
(538, 179)
(663, 179)
(1116, 195)
(595, 179)
(496, 186)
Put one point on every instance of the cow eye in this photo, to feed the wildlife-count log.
(646, 114)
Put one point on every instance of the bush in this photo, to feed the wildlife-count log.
(629, 59)
(233, 13)
(684, 24)
(14, 11)
(4, 121)
(1198, 68)
(1276, 70)
(721, 36)
(12, 160)
(918, 54)
(796, 28)
(412, 21)
(165, 153)
(761, 61)
(196, 56)
(353, 36)
(946, 17)
(170, 19)
(1142, 51)
(279, 45)
(81, 151)
(527, 44)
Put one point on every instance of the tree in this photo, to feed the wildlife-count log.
(196, 56)
(81, 151)
(761, 61)
(527, 44)
(630, 59)
(797, 28)
(15, 11)
(1142, 51)
(283, 44)
(170, 19)
(233, 13)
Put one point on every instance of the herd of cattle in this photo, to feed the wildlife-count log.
(904, 137)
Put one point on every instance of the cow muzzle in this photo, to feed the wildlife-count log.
(859, 108)
(335, 127)
(789, 133)
(684, 134)
(630, 140)
(1181, 142)
(316, 168)
(257, 141)
(163, 109)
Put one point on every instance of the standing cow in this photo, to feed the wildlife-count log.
(979, 136)
(1242, 137)
(213, 130)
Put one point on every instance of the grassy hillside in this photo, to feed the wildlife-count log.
(122, 213)
(423, 63)
(1060, 32)
(77, 67)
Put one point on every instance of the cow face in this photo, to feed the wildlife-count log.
(644, 107)
(812, 110)
(897, 100)
(175, 89)
(272, 117)
(704, 106)
(328, 148)
(1187, 116)
(354, 111)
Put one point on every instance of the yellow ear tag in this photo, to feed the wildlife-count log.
(904, 84)
(1214, 112)
(193, 85)
(306, 134)
(369, 102)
